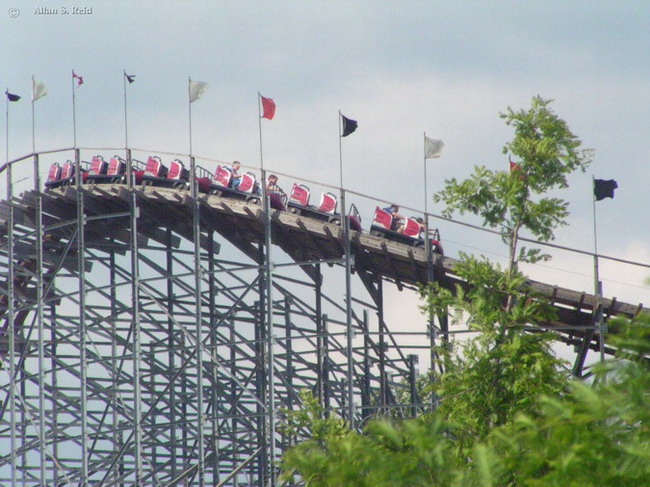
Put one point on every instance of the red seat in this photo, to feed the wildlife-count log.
(67, 171)
(154, 167)
(436, 246)
(277, 201)
(382, 218)
(299, 195)
(116, 167)
(204, 184)
(176, 169)
(355, 223)
(97, 166)
(411, 228)
(247, 183)
(328, 203)
(55, 173)
(222, 177)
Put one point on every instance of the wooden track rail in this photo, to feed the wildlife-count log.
(304, 239)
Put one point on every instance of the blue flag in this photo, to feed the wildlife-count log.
(349, 126)
(11, 97)
(604, 188)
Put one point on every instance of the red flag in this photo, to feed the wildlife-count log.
(268, 105)
(80, 80)
(514, 166)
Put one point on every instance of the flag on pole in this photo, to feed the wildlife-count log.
(11, 96)
(129, 77)
(196, 90)
(516, 170)
(514, 166)
(268, 107)
(38, 90)
(80, 80)
(349, 126)
(432, 147)
(604, 188)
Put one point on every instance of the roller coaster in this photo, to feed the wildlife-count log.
(156, 320)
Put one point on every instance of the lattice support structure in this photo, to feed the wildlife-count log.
(146, 337)
(104, 379)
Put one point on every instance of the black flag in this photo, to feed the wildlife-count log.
(604, 188)
(349, 126)
(11, 97)
(129, 77)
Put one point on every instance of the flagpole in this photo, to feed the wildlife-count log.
(189, 84)
(126, 122)
(427, 243)
(74, 114)
(39, 283)
(259, 119)
(425, 174)
(10, 299)
(597, 285)
(198, 279)
(348, 285)
(7, 136)
(33, 118)
(340, 153)
(129, 167)
(427, 249)
(268, 288)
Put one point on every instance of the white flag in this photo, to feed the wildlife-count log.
(432, 147)
(196, 90)
(38, 90)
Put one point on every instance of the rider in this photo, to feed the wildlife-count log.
(420, 222)
(396, 223)
(235, 178)
(272, 185)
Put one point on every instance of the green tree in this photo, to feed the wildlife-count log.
(597, 434)
(547, 152)
(414, 452)
(490, 381)
(503, 370)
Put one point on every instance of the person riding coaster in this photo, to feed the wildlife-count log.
(277, 196)
(409, 231)
(397, 219)
(235, 178)
(221, 183)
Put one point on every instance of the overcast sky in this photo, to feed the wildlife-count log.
(399, 68)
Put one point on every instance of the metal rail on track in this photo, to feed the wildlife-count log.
(307, 241)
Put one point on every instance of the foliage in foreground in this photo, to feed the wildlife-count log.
(506, 413)
(413, 452)
(595, 435)
(502, 371)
